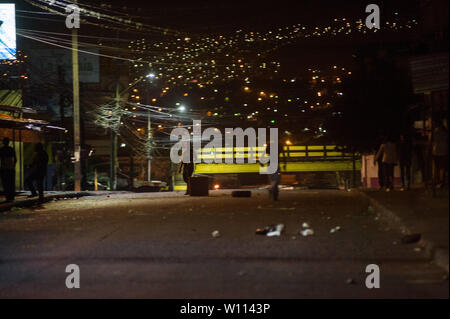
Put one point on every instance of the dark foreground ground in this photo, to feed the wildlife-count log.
(159, 245)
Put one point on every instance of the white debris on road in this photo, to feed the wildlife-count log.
(307, 232)
(335, 229)
(276, 232)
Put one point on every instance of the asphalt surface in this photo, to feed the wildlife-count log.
(159, 245)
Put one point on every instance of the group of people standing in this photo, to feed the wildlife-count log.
(392, 153)
(38, 171)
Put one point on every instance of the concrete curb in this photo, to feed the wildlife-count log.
(47, 198)
(439, 255)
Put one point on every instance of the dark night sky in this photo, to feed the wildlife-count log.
(229, 15)
(221, 17)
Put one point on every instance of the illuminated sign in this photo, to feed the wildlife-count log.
(7, 32)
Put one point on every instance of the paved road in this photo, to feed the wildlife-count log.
(159, 245)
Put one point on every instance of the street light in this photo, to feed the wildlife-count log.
(151, 75)
(181, 108)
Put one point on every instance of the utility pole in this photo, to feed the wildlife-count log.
(113, 167)
(113, 154)
(149, 136)
(76, 110)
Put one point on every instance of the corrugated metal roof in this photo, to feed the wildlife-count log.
(11, 102)
(11, 97)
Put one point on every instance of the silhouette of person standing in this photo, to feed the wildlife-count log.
(388, 153)
(404, 158)
(38, 172)
(440, 154)
(7, 170)
(381, 169)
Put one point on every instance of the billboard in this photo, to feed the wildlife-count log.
(7, 31)
(48, 63)
(429, 73)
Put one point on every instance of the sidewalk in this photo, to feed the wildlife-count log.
(418, 212)
(23, 201)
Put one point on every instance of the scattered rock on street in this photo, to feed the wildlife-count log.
(215, 234)
(410, 239)
(350, 281)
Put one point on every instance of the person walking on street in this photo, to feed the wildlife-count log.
(8, 170)
(38, 172)
(275, 178)
(388, 153)
(404, 157)
(187, 166)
